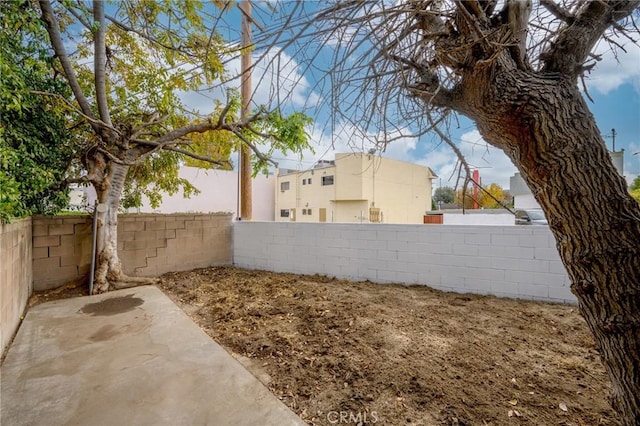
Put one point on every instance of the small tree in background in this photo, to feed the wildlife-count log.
(488, 197)
(464, 198)
(635, 189)
(444, 194)
(493, 197)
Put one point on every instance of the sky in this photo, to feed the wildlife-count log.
(614, 86)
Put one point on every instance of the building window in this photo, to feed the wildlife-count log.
(309, 181)
(284, 186)
(284, 213)
(304, 181)
(308, 212)
(327, 180)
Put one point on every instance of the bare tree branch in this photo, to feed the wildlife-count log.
(81, 179)
(96, 123)
(100, 62)
(183, 131)
(117, 160)
(53, 29)
(253, 147)
(171, 138)
(196, 156)
(573, 44)
(557, 11)
(154, 119)
(80, 18)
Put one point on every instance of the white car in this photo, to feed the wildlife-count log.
(531, 217)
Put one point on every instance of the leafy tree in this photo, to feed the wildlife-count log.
(493, 197)
(404, 68)
(465, 198)
(635, 189)
(488, 197)
(444, 194)
(126, 73)
(36, 147)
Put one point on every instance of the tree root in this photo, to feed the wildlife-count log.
(125, 281)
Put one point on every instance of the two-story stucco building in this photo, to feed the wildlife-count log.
(355, 187)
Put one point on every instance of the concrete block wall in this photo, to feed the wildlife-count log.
(15, 276)
(61, 250)
(148, 245)
(478, 217)
(153, 244)
(506, 261)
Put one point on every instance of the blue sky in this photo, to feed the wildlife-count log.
(614, 86)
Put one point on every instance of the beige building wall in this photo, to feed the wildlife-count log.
(352, 211)
(353, 170)
(402, 191)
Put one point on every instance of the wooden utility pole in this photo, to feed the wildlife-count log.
(246, 203)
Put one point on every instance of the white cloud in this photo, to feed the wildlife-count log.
(616, 68)
(277, 80)
(348, 138)
(612, 72)
(494, 166)
(353, 29)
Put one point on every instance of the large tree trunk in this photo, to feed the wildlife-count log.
(545, 127)
(108, 272)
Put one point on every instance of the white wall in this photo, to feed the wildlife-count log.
(522, 196)
(501, 219)
(508, 261)
(218, 193)
(525, 201)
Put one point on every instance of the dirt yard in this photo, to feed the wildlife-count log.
(338, 352)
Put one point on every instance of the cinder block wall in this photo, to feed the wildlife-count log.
(15, 276)
(148, 245)
(508, 261)
(152, 244)
(61, 250)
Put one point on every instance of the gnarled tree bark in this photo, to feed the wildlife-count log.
(469, 57)
(108, 178)
(545, 127)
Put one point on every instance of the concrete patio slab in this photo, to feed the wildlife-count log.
(129, 357)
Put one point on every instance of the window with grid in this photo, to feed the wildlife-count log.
(327, 180)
